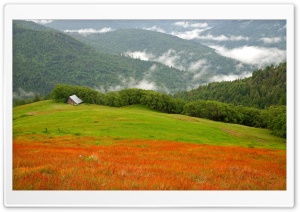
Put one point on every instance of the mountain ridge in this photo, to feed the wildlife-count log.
(201, 61)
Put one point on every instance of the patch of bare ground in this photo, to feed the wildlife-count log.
(241, 135)
(186, 118)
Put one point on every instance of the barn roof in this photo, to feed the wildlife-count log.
(76, 99)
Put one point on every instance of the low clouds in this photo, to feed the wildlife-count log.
(230, 77)
(188, 24)
(146, 85)
(189, 35)
(169, 58)
(212, 37)
(194, 31)
(223, 38)
(130, 83)
(196, 34)
(253, 55)
(156, 29)
(140, 55)
(270, 40)
(20, 93)
(90, 30)
(202, 63)
(42, 21)
(142, 84)
(173, 59)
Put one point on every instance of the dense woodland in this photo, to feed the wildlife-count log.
(44, 57)
(265, 88)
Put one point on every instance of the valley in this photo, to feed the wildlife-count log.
(167, 105)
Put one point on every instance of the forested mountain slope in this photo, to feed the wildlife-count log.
(189, 56)
(265, 88)
(43, 57)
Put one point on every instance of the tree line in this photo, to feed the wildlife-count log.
(273, 117)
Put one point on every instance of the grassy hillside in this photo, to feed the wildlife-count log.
(88, 147)
(134, 122)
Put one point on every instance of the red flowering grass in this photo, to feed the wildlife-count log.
(74, 163)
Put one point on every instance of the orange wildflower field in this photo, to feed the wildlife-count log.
(79, 163)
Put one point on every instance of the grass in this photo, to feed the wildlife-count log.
(91, 147)
(135, 122)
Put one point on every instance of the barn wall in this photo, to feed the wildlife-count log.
(71, 102)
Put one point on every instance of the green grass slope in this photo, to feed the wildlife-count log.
(133, 122)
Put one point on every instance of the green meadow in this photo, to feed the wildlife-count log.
(47, 118)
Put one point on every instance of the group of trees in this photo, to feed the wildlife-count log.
(153, 100)
(273, 118)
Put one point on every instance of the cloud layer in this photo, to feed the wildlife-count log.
(230, 77)
(140, 55)
(188, 24)
(253, 55)
(196, 34)
(169, 58)
(156, 29)
(223, 38)
(42, 21)
(189, 35)
(21, 93)
(145, 83)
(270, 40)
(90, 30)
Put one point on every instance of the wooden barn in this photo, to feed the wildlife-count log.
(74, 100)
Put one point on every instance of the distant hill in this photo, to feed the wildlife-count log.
(189, 56)
(254, 30)
(266, 33)
(265, 88)
(43, 57)
(115, 24)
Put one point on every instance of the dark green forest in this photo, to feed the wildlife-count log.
(265, 88)
(43, 57)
